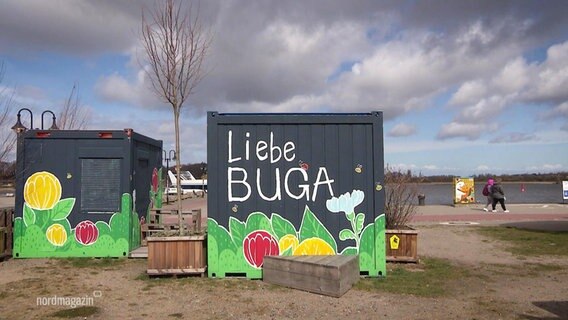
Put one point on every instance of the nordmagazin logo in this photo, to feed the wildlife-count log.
(73, 302)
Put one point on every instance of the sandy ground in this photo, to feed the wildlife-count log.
(499, 286)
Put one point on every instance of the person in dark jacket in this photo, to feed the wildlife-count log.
(498, 195)
(487, 192)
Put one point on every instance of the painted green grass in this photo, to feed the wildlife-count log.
(433, 279)
(529, 243)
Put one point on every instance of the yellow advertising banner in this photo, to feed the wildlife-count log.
(464, 191)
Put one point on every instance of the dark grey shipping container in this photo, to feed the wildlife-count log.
(294, 184)
(83, 193)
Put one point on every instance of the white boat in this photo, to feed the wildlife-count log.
(188, 181)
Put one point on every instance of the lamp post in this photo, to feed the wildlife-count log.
(168, 156)
(53, 124)
(203, 173)
(19, 127)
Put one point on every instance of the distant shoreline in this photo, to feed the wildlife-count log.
(504, 182)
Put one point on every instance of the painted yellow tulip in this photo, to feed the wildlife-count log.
(42, 190)
(56, 234)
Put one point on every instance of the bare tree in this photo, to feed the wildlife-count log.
(400, 193)
(7, 137)
(175, 45)
(73, 115)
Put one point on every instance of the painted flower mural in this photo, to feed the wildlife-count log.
(42, 190)
(56, 235)
(86, 232)
(258, 244)
(242, 246)
(346, 203)
(44, 229)
(313, 247)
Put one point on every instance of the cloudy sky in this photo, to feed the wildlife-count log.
(466, 87)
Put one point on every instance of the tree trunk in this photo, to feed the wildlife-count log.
(178, 171)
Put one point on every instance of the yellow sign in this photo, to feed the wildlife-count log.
(394, 241)
(464, 191)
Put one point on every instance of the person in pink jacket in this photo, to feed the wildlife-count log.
(487, 192)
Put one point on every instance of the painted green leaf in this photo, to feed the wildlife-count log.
(350, 251)
(258, 221)
(126, 202)
(312, 227)
(237, 231)
(42, 218)
(367, 243)
(212, 250)
(29, 215)
(366, 262)
(103, 228)
(120, 221)
(359, 221)
(19, 228)
(221, 235)
(62, 209)
(281, 226)
(287, 252)
(380, 238)
(346, 234)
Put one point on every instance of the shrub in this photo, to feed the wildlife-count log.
(400, 193)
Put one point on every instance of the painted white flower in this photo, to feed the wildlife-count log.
(346, 202)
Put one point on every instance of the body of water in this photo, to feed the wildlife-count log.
(533, 193)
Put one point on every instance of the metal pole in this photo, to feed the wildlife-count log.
(167, 180)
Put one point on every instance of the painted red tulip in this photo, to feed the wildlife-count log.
(86, 233)
(155, 180)
(258, 244)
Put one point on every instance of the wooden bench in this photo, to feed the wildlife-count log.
(328, 275)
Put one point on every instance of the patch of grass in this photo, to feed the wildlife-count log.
(432, 280)
(178, 315)
(143, 276)
(103, 263)
(523, 270)
(3, 295)
(529, 243)
(76, 312)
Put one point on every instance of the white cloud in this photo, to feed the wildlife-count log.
(469, 93)
(550, 78)
(514, 137)
(547, 167)
(402, 130)
(137, 93)
(76, 27)
(517, 82)
(468, 130)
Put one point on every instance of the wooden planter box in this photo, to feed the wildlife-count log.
(328, 275)
(177, 255)
(402, 245)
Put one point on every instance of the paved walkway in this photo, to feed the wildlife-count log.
(552, 217)
(535, 216)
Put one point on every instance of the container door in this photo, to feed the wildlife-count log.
(294, 185)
